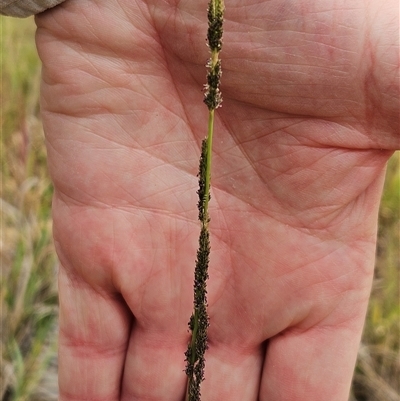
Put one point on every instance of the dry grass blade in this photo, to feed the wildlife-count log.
(374, 383)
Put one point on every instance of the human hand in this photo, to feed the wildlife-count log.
(309, 119)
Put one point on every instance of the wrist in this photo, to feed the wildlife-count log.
(25, 8)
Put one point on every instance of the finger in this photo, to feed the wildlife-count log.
(155, 365)
(232, 373)
(312, 365)
(94, 332)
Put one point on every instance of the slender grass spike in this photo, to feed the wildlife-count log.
(199, 321)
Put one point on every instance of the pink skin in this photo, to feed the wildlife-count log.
(309, 120)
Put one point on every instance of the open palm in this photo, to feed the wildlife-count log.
(308, 122)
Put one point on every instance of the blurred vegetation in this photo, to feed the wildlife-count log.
(377, 376)
(28, 293)
(28, 310)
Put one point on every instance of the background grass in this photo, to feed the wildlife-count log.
(28, 293)
(28, 296)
